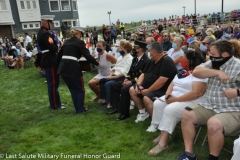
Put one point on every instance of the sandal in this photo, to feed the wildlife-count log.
(157, 139)
(94, 99)
(156, 150)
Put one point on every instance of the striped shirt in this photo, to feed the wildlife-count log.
(216, 100)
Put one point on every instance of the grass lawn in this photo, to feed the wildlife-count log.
(29, 128)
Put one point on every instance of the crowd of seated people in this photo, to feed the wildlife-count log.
(13, 52)
(185, 69)
(176, 77)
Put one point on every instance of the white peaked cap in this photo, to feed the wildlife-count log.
(78, 28)
(47, 17)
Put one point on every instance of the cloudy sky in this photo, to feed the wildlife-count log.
(94, 12)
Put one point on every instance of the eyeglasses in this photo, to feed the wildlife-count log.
(204, 43)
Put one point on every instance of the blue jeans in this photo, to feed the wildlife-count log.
(76, 87)
(53, 83)
(105, 88)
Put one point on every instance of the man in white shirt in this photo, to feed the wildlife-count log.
(28, 42)
(23, 56)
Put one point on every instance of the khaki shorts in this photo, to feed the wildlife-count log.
(230, 120)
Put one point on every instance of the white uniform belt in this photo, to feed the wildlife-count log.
(44, 51)
(70, 57)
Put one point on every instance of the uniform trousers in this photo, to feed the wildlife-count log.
(53, 83)
(120, 97)
(76, 88)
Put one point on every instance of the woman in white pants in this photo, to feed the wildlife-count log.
(184, 90)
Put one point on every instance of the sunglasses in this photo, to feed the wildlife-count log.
(204, 43)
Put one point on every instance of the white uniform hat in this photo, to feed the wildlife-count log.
(78, 28)
(13, 47)
(47, 17)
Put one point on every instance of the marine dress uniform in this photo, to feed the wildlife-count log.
(122, 103)
(49, 62)
(70, 69)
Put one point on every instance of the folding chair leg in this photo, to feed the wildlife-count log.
(197, 135)
(205, 139)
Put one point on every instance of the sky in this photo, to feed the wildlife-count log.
(95, 12)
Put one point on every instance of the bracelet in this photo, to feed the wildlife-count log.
(238, 92)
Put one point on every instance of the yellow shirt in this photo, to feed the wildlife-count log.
(20, 39)
(190, 31)
(213, 37)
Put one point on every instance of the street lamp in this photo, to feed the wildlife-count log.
(195, 6)
(184, 10)
(109, 17)
(222, 5)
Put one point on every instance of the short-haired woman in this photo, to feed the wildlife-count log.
(117, 74)
(176, 52)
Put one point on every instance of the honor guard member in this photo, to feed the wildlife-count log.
(49, 60)
(138, 64)
(70, 69)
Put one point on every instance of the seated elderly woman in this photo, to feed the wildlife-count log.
(104, 68)
(176, 52)
(184, 90)
(117, 74)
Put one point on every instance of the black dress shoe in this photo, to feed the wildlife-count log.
(112, 111)
(85, 110)
(122, 117)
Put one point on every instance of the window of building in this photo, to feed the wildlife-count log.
(22, 4)
(74, 23)
(28, 5)
(74, 3)
(54, 5)
(33, 25)
(56, 23)
(65, 5)
(3, 5)
(34, 4)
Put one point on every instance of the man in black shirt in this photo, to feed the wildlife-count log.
(166, 44)
(154, 81)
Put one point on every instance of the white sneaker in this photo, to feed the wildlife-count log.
(152, 128)
(142, 117)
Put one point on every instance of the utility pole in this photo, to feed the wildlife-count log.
(184, 10)
(195, 6)
(222, 5)
(109, 17)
